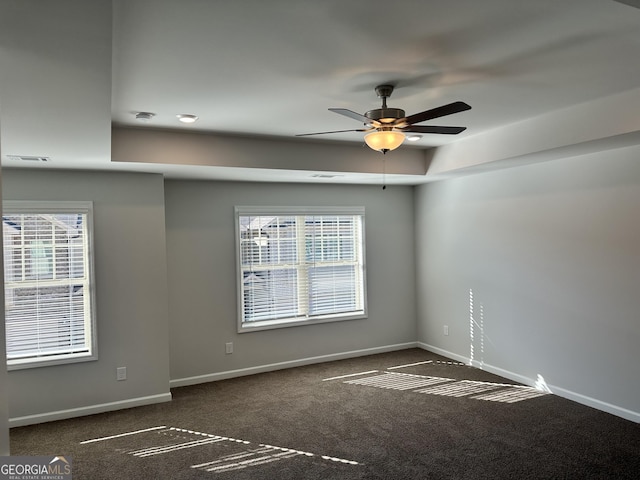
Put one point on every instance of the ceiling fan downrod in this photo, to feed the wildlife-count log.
(385, 114)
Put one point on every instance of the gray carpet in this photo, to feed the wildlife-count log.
(401, 415)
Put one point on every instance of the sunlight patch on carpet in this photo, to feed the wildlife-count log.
(350, 375)
(398, 381)
(462, 388)
(514, 394)
(245, 459)
(410, 365)
(126, 434)
(449, 387)
(225, 454)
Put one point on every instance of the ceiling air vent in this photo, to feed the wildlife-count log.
(324, 175)
(28, 158)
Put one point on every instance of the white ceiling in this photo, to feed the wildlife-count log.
(272, 69)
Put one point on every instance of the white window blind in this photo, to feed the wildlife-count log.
(301, 267)
(49, 311)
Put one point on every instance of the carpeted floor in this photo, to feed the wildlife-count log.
(400, 415)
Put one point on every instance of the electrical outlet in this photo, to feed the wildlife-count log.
(121, 373)
(446, 329)
(228, 347)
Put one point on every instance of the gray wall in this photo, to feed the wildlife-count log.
(551, 255)
(137, 271)
(4, 410)
(202, 277)
(550, 252)
(132, 311)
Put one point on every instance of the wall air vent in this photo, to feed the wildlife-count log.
(28, 158)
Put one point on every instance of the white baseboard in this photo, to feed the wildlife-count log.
(212, 377)
(561, 392)
(597, 404)
(88, 410)
(166, 397)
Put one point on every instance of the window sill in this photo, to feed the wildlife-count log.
(23, 364)
(297, 322)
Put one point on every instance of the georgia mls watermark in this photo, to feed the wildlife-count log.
(35, 468)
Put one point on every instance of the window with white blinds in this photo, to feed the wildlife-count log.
(48, 271)
(299, 266)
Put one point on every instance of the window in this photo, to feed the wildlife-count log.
(299, 266)
(48, 274)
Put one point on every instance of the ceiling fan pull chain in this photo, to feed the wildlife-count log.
(384, 172)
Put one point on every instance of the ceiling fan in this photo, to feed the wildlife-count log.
(387, 125)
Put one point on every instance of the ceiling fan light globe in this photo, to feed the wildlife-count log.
(384, 141)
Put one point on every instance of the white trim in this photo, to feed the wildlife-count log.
(240, 210)
(561, 392)
(213, 377)
(88, 410)
(597, 404)
(300, 318)
(288, 322)
(42, 206)
(444, 353)
(63, 207)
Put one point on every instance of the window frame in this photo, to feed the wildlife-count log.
(52, 208)
(241, 211)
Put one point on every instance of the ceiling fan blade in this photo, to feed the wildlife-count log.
(449, 109)
(434, 129)
(354, 115)
(334, 131)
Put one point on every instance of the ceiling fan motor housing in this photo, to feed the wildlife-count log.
(385, 115)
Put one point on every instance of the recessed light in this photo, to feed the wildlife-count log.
(414, 138)
(144, 116)
(187, 118)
